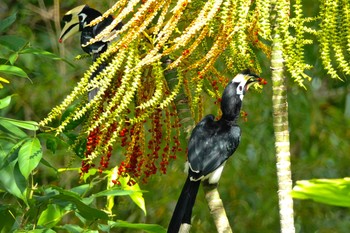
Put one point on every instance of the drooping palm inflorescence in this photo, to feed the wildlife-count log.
(168, 55)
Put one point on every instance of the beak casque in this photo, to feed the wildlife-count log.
(72, 24)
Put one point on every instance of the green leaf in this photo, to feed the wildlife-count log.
(10, 151)
(154, 228)
(81, 189)
(5, 102)
(29, 125)
(10, 129)
(51, 216)
(12, 42)
(13, 181)
(114, 192)
(44, 230)
(67, 197)
(47, 164)
(73, 228)
(7, 22)
(29, 156)
(51, 144)
(86, 211)
(13, 58)
(328, 191)
(6, 216)
(13, 70)
(44, 53)
(91, 172)
(137, 196)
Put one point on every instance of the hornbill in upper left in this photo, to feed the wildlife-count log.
(211, 143)
(76, 20)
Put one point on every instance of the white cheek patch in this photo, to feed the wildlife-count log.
(83, 17)
(240, 90)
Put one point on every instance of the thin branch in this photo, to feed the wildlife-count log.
(216, 207)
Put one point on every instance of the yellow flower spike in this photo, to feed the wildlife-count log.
(328, 14)
(294, 47)
(106, 32)
(188, 51)
(161, 18)
(121, 89)
(139, 22)
(164, 34)
(158, 93)
(166, 102)
(337, 36)
(205, 15)
(197, 96)
(123, 98)
(117, 6)
(263, 8)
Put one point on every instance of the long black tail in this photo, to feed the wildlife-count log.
(183, 208)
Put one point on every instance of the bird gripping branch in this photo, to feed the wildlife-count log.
(210, 145)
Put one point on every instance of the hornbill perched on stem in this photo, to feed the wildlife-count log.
(210, 145)
(76, 20)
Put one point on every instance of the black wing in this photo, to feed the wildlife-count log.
(211, 144)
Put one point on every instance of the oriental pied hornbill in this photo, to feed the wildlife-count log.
(76, 20)
(211, 144)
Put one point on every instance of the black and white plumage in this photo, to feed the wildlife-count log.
(76, 20)
(211, 144)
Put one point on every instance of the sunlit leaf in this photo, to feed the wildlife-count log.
(51, 216)
(91, 172)
(137, 196)
(29, 125)
(29, 156)
(5, 101)
(328, 191)
(10, 129)
(114, 192)
(13, 58)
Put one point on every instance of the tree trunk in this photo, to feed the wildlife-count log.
(280, 124)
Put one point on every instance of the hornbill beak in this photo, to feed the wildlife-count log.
(71, 22)
(248, 79)
(251, 80)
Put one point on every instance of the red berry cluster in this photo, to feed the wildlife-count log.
(104, 161)
(262, 81)
(92, 142)
(144, 161)
(146, 151)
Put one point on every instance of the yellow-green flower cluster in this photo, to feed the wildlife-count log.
(135, 109)
(334, 36)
